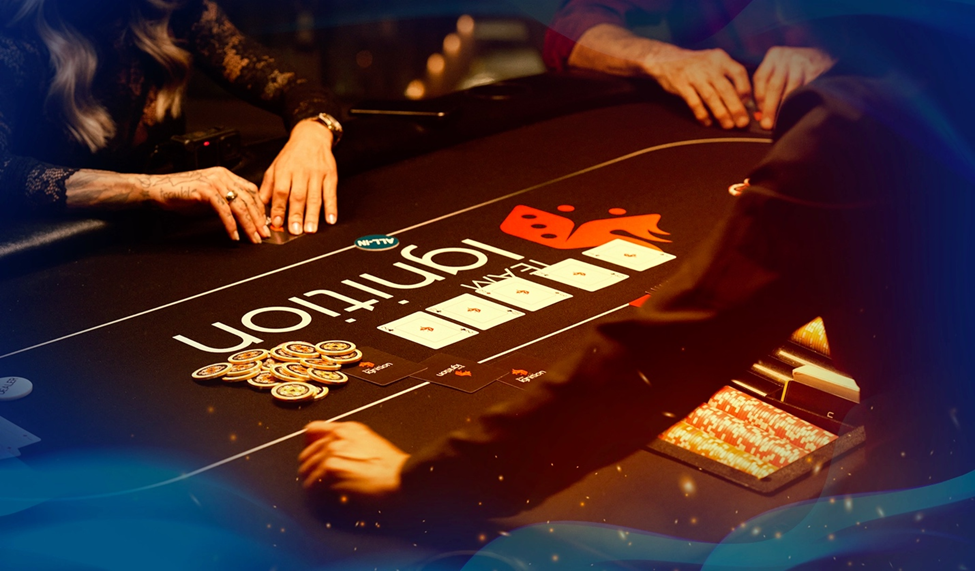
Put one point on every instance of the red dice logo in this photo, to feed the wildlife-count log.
(561, 233)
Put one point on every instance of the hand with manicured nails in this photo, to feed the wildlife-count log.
(179, 191)
(708, 80)
(782, 71)
(348, 457)
(210, 186)
(301, 179)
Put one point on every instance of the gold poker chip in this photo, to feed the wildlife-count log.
(211, 371)
(322, 392)
(321, 363)
(297, 370)
(278, 354)
(293, 392)
(299, 349)
(241, 377)
(266, 364)
(248, 356)
(263, 381)
(327, 377)
(242, 368)
(281, 373)
(353, 357)
(335, 347)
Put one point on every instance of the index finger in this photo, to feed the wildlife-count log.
(319, 429)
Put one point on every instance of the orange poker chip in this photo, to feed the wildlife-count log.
(321, 363)
(248, 356)
(211, 371)
(299, 349)
(335, 347)
(327, 377)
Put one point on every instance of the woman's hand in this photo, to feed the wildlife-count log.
(302, 178)
(234, 199)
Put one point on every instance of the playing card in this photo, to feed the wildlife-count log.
(520, 370)
(381, 368)
(522, 293)
(457, 373)
(629, 255)
(427, 330)
(475, 311)
(581, 275)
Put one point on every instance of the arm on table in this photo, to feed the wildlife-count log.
(304, 175)
(734, 300)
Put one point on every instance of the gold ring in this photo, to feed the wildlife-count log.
(231, 196)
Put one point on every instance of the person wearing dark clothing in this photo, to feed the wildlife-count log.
(699, 51)
(89, 89)
(860, 213)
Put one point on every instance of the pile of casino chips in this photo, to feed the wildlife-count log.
(747, 434)
(295, 372)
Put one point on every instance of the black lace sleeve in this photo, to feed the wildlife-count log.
(26, 184)
(246, 68)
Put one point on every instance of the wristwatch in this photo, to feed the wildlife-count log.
(332, 124)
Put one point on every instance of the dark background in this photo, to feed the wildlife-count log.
(374, 49)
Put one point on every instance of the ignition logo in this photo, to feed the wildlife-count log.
(559, 232)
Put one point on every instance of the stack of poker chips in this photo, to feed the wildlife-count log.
(812, 336)
(294, 372)
(745, 433)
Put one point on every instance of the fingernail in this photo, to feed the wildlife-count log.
(257, 238)
(310, 227)
(766, 123)
(742, 122)
(235, 236)
(295, 228)
(277, 222)
(331, 218)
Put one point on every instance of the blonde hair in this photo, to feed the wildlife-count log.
(75, 62)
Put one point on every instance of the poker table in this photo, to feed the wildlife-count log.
(129, 441)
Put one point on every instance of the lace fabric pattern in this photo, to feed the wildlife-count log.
(38, 156)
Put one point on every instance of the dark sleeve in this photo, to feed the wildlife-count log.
(759, 276)
(575, 17)
(26, 184)
(247, 69)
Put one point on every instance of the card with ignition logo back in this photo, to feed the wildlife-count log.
(457, 373)
(381, 368)
(521, 370)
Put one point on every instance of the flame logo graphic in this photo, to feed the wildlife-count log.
(367, 365)
(426, 329)
(520, 372)
(463, 373)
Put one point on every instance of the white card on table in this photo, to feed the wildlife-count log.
(581, 275)
(475, 311)
(427, 330)
(522, 293)
(629, 255)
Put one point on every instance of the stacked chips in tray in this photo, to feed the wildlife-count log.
(294, 372)
(745, 433)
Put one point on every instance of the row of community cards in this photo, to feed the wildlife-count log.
(431, 330)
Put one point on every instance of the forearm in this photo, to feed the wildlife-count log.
(612, 49)
(106, 190)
